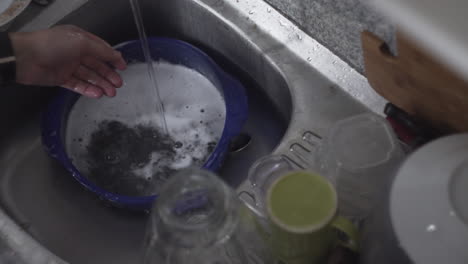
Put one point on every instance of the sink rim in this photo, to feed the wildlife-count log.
(267, 19)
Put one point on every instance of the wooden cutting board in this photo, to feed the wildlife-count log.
(417, 83)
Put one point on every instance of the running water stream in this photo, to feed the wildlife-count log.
(149, 61)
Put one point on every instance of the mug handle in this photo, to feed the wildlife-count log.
(347, 233)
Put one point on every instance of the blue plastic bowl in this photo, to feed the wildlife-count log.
(170, 50)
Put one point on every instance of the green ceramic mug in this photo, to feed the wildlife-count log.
(304, 225)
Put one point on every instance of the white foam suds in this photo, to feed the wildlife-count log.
(194, 137)
(4, 4)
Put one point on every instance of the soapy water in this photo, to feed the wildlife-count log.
(136, 160)
(4, 5)
(117, 142)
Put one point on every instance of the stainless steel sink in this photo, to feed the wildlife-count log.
(296, 87)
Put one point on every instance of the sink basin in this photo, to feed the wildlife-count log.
(296, 88)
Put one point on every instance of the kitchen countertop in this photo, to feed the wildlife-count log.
(337, 24)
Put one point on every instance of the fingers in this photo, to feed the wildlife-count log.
(85, 74)
(95, 75)
(104, 70)
(99, 48)
(93, 79)
(105, 53)
(82, 87)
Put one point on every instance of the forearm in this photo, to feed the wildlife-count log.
(7, 59)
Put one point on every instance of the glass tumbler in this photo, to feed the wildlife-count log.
(359, 156)
(198, 219)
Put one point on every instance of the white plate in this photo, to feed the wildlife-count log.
(429, 211)
(9, 9)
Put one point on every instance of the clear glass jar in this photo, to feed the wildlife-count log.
(359, 156)
(198, 219)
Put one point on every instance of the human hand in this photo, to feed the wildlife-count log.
(70, 57)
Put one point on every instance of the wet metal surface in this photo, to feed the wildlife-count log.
(296, 87)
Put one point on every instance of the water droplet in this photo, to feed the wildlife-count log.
(431, 228)
(309, 59)
(299, 36)
(281, 23)
(251, 12)
(269, 9)
(333, 62)
(202, 110)
(178, 145)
